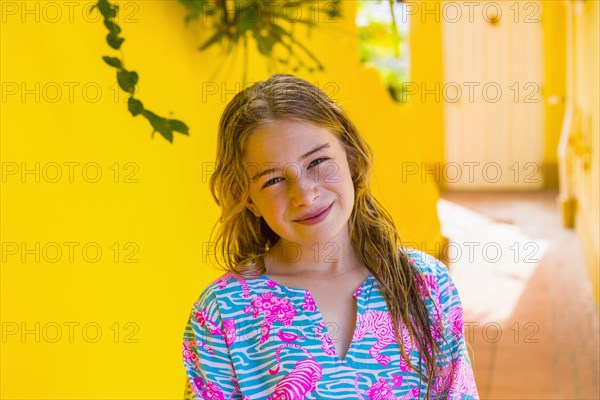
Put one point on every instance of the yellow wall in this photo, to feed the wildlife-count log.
(157, 209)
(554, 87)
(586, 137)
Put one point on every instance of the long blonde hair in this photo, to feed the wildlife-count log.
(242, 239)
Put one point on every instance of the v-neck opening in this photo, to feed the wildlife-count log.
(360, 295)
(293, 289)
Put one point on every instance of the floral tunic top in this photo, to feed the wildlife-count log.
(255, 339)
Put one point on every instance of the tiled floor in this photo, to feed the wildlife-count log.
(530, 317)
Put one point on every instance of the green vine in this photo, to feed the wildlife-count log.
(233, 23)
(128, 80)
(271, 24)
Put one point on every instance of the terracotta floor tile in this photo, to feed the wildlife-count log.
(549, 346)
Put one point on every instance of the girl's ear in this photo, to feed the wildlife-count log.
(252, 207)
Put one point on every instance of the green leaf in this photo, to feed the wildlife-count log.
(113, 61)
(127, 80)
(263, 48)
(135, 106)
(114, 40)
(167, 135)
(264, 44)
(106, 9)
(195, 6)
(278, 31)
(159, 124)
(215, 38)
(334, 11)
(179, 126)
(112, 27)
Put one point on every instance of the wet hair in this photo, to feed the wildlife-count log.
(242, 239)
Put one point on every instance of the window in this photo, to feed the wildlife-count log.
(383, 42)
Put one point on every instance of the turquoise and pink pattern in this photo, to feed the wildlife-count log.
(255, 339)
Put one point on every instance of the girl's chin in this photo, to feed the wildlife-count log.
(311, 239)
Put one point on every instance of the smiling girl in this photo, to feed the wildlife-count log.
(320, 300)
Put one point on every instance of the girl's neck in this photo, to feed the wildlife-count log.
(326, 260)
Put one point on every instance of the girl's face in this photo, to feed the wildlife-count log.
(300, 181)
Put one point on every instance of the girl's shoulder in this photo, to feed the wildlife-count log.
(425, 263)
(228, 287)
(434, 278)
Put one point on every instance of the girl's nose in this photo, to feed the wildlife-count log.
(304, 190)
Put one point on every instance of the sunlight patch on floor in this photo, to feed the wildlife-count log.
(491, 261)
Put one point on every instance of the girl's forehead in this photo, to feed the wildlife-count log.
(277, 146)
(288, 133)
(287, 138)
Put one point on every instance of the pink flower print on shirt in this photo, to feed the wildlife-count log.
(309, 302)
(397, 380)
(190, 349)
(326, 342)
(205, 347)
(229, 326)
(456, 320)
(455, 378)
(288, 337)
(379, 324)
(443, 379)
(436, 330)
(198, 382)
(203, 319)
(273, 309)
(271, 284)
(464, 381)
(408, 348)
(414, 393)
(222, 282)
(300, 381)
(210, 391)
(427, 285)
(189, 353)
(381, 390)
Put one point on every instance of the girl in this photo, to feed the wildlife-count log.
(319, 300)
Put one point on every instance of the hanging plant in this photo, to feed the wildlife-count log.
(128, 80)
(232, 23)
(270, 24)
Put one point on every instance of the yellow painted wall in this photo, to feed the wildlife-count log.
(554, 87)
(586, 138)
(110, 326)
(583, 149)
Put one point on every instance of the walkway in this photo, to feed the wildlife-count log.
(530, 318)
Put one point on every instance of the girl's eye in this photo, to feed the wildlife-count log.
(313, 163)
(318, 161)
(271, 182)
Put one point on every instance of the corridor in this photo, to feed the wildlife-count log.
(530, 317)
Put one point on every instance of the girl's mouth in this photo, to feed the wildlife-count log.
(316, 218)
